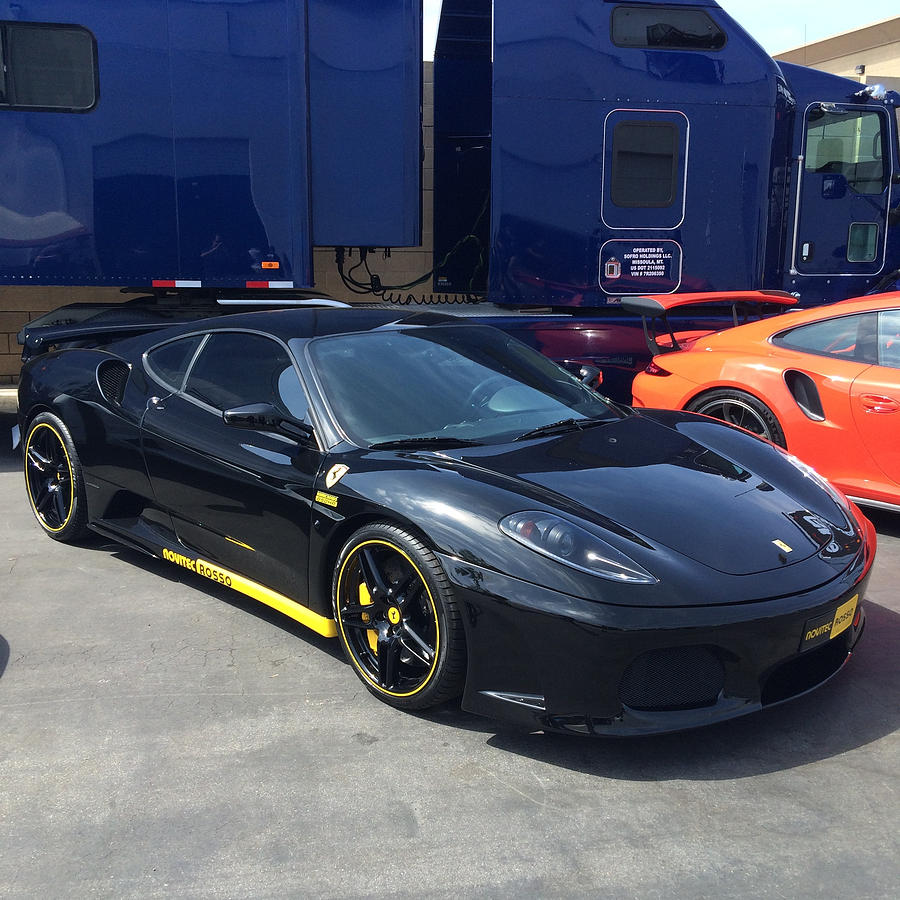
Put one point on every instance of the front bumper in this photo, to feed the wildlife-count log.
(545, 660)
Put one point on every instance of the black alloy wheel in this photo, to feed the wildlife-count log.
(53, 478)
(742, 409)
(398, 621)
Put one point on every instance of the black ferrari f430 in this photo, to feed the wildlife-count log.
(463, 515)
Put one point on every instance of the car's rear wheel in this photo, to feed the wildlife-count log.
(741, 409)
(398, 621)
(54, 480)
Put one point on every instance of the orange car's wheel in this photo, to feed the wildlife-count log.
(741, 409)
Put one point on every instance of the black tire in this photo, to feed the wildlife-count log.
(397, 618)
(54, 481)
(741, 409)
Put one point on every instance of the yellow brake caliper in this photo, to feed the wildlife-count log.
(365, 599)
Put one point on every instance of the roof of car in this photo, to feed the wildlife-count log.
(309, 323)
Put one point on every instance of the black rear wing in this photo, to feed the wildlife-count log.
(96, 324)
(655, 308)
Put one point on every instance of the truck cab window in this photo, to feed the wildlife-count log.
(849, 143)
(665, 28)
(48, 67)
(644, 164)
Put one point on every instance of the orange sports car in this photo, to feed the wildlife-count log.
(823, 383)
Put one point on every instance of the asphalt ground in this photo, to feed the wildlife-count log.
(160, 737)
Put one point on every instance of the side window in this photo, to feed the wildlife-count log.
(644, 164)
(849, 143)
(844, 337)
(48, 67)
(235, 369)
(889, 338)
(169, 362)
(862, 242)
(665, 27)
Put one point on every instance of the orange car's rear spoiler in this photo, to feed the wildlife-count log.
(657, 307)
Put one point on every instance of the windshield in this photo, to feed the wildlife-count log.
(452, 383)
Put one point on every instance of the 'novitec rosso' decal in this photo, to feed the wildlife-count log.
(236, 582)
(200, 566)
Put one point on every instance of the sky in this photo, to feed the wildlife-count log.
(776, 24)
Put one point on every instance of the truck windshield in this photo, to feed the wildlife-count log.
(457, 384)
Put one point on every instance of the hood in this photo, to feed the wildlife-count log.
(723, 512)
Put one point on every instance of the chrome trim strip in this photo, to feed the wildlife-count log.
(532, 701)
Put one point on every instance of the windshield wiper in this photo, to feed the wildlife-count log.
(424, 442)
(562, 426)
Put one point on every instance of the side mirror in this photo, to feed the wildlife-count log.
(264, 417)
(591, 376)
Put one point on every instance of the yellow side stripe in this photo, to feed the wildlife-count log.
(296, 611)
(239, 543)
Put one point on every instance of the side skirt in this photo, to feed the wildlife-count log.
(145, 537)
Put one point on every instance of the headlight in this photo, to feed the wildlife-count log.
(565, 542)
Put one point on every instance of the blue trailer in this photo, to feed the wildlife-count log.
(585, 150)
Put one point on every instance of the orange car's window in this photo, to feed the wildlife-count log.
(889, 338)
(843, 337)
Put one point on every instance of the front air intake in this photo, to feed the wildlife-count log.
(672, 678)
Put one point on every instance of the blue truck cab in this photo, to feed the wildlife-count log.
(656, 147)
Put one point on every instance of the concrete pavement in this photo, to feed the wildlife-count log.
(160, 737)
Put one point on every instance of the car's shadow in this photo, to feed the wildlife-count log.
(10, 459)
(887, 524)
(4, 654)
(162, 569)
(860, 705)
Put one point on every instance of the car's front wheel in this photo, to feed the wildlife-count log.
(742, 409)
(398, 621)
(54, 480)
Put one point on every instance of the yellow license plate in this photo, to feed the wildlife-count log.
(824, 628)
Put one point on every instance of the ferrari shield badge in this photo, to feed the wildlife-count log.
(335, 474)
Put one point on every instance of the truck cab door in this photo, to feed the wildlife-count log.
(843, 191)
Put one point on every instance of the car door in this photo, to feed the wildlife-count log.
(834, 353)
(875, 398)
(241, 497)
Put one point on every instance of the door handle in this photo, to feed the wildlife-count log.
(879, 403)
(156, 403)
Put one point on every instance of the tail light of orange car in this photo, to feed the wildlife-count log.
(654, 369)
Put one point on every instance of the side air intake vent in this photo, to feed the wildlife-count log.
(803, 389)
(111, 378)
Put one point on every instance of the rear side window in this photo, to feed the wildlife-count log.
(844, 337)
(644, 164)
(48, 67)
(665, 27)
(170, 361)
(889, 338)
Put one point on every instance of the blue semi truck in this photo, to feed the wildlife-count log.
(584, 150)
